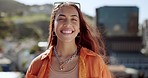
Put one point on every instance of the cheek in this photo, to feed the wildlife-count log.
(57, 23)
(78, 27)
(79, 30)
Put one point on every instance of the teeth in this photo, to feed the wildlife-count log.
(67, 32)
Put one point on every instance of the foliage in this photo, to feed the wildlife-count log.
(21, 27)
(28, 18)
(6, 28)
(11, 6)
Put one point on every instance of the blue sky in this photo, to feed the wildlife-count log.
(89, 6)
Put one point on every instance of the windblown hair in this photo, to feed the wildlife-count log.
(89, 37)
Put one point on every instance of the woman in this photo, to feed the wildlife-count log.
(74, 50)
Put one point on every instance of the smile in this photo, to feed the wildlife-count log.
(67, 31)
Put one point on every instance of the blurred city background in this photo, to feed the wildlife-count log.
(24, 35)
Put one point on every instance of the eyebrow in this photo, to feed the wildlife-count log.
(71, 15)
(74, 15)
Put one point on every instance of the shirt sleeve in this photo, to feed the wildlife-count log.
(34, 68)
(106, 73)
(29, 75)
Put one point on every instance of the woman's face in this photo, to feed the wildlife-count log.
(67, 24)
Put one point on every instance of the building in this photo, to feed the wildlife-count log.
(119, 25)
(118, 20)
(145, 34)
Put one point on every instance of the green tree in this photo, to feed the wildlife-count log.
(6, 28)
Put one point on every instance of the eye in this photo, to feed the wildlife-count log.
(73, 19)
(60, 19)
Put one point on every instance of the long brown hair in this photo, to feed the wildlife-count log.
(88, 37)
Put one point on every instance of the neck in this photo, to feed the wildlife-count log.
(66, 49)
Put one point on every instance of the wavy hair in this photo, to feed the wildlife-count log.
(88, 36)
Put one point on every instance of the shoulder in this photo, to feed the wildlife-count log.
(42, 56)
(37, 62)
(89, 53)
(94, 63)
(35, 65)
(91, 56)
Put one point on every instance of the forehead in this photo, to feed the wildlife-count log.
(67, 10)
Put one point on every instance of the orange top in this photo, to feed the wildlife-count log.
(91, 65)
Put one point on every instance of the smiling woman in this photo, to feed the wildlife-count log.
(66, 24)
(74, 49)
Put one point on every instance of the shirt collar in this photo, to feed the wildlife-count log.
(86, 52)
(47, 53)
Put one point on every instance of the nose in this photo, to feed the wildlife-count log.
(67, 23)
